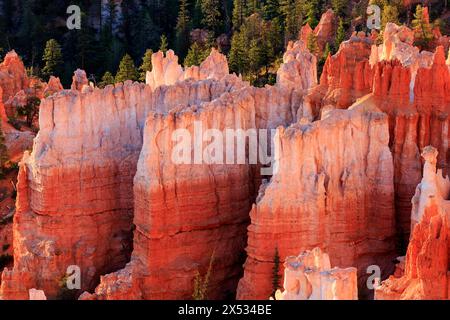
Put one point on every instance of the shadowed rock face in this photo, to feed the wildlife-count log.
(427, 262)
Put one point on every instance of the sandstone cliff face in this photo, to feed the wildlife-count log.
(322, 196)
(310, 277)
(346, 76)
(81, 171)
(324, 31)
(80, 174)
(299, 68)
(415, 123)
(426, 274)
(13, 76)
(178, 231)
(167, 71)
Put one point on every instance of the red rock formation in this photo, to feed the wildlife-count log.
(346, 76)
(324, 31)
(426, 274)
(98, 133)
(54, 85)
(310, 277)
(213, 221)
(79, 80)
(13, 76)
(299, 68)
(418, 117)
(322, 196)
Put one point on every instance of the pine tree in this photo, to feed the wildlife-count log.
(164, 45)
(253, 6)
(127, 70)
(338, 6)
(146, 64)
(422, 28)
(53, 59)
(211, 14)
(239, 13)
(326, 51)
(196, 55)
(311, 13)
(107, 79)
(389, 14)
(271, 9)
(340, 34)
(182, 29)
(276, 272)
(255, 58)
(237, 56)
(311, 44)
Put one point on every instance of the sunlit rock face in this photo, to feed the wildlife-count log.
(81, 170)
(325, 31)
(299, 68)
(322, 196)
(309, 276)
(167, 71)
(76, 201)
(346, 76)
(179, 231)
(13, 76)
(414, 124)
(426, 267)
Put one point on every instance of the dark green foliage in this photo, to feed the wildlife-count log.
(312, 45)
(107, 79)
(211, 16)
(276, 272)
(339, 6)
(239, 13)
(196, 55)
(422, 28)
(183, 28)
(312, 13)
(255, 47)
(52, 58)
(163, 45)
(127, 70)
(30, 110)
(340, 34)
(146, 64)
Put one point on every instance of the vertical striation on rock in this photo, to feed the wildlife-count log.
(322, 196)
(426, 271)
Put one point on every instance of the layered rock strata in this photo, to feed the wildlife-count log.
(80, 174)
(81, 171)
(179, 231)
(426, 272)
(323, 196)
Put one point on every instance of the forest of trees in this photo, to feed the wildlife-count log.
(115, 44)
